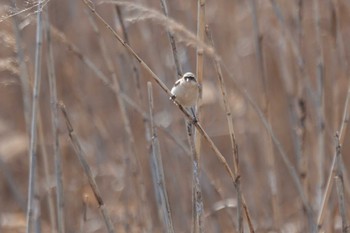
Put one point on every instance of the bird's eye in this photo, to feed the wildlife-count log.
(189, 78)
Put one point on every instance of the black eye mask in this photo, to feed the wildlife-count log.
(190, 78)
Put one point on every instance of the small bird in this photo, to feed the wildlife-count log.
(186, 91)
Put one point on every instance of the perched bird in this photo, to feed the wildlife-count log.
(186, 92)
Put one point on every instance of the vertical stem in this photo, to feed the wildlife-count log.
(44, 154)
(54, 120)
(164, 6)
(197, 201)
(158, 171)
(266, 109)
(300, 132)
(320, 106)
(342, 131)
(199, 66)
(33, 130)
(340, 186)
(132, 61)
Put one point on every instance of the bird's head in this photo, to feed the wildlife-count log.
(189, 77)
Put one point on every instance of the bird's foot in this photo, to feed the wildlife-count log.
(194, 120)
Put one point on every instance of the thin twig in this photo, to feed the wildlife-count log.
(134, 67)
(342, 131)
(87, 170)
(164, 6)
(157, 168)
(33, 130)
(319, 160)
(199, 68)
(44, 154)
(340, 186)
(234, 146)
(197, 201)
(299, 118)
(341, 202)
(196, 140)
(54, 125)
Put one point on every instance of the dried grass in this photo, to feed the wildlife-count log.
(267, 134)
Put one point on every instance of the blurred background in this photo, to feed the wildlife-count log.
(290, 57)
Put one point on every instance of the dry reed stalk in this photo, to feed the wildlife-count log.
(234, 146)
(26, 92)
(135, 165)
(343, 124)
(158, 171)
(164, 6)
(271, 167)
(196, 139)
(297, 119)
(345, 65)
(87, 170)
(54, 127)
(134, 67)
(342, 131)
(320, 157)
(296, 122)
(197, 200)
(340, 186)
(341, 203)
(199, 67)
(300, 132)
(197, 203)
(50, 198)
(33, 129)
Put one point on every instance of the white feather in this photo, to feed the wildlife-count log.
(186, 91)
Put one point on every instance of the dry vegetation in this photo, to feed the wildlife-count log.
(275, 77)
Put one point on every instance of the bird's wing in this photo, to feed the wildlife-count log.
(177, 82)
